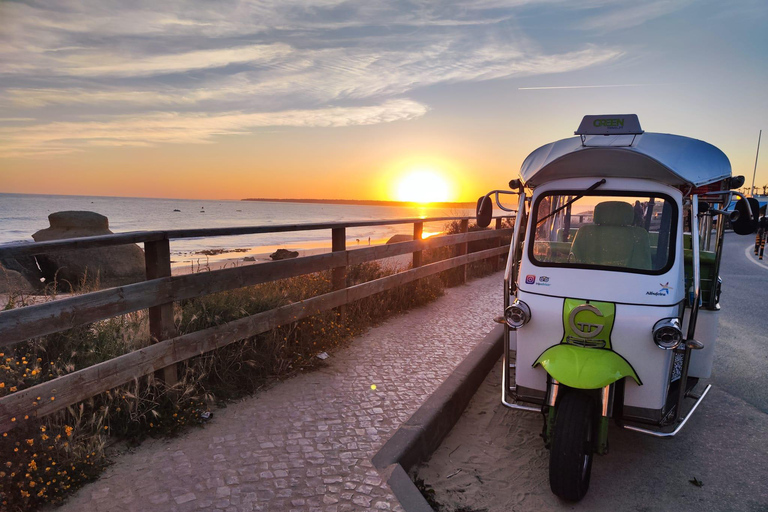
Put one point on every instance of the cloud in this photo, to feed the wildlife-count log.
(95, 64)
(190, 127)
(632, 14)
(254, 62)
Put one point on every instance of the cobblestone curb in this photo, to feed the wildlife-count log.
(422, 434)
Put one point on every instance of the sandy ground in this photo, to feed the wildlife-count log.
(203, 264)
(192, 262)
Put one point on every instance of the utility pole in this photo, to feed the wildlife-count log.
(752, 188)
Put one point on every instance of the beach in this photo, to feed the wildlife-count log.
(202, 263)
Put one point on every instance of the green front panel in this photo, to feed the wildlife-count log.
(584, 358)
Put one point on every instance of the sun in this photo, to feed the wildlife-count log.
(423, 186)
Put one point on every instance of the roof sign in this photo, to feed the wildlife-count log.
(619, 124)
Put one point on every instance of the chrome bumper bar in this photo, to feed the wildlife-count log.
(504, 370)
(656, 433)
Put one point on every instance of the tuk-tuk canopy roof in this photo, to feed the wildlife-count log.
(670, 159)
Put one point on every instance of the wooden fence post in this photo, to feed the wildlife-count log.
(339, 274)
(157, 258)
(418, 231)
(462, 250)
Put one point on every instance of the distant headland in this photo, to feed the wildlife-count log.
(365, 202)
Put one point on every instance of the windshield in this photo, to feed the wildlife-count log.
(631, 233)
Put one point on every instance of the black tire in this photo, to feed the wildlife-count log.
(573, 446)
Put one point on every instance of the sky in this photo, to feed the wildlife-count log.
(349, 99)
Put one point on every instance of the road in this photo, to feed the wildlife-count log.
(494, 460)
(741, 357)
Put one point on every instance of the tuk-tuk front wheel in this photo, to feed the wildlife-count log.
(573, 445)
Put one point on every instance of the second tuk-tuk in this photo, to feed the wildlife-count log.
(612, 285)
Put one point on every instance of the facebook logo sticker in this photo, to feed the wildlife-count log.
(530, 279)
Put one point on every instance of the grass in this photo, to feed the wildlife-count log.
(44, 460)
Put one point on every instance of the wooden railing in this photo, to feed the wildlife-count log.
(158, 293)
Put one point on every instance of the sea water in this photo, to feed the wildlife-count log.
(22, 214)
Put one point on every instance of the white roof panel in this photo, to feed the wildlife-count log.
(670, 159)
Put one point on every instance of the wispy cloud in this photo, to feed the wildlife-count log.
(546, 88)
(632, 14)
(190, 127)
(250, 62)
(108, 64)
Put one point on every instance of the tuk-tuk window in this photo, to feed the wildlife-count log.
(601, 230)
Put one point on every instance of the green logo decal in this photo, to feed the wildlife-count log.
(610, 123)
(588, 325)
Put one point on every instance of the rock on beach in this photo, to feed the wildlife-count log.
(13, 282)
(283, 254)
(108, 266)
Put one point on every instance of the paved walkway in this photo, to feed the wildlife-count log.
(306, 444)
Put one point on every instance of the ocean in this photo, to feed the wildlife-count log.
(21, 215)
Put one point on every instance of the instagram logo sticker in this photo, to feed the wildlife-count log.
(530, 279)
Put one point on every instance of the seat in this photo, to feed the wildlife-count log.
(612, 240)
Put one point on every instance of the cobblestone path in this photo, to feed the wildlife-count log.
(306, 444)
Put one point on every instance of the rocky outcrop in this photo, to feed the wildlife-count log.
(105, 266)
(24, 266)
(283, 254)
(13, 282)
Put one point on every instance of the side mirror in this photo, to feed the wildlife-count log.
(735, 182)
(746, 221)
(484, 211)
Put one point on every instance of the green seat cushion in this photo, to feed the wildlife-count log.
(612, 240)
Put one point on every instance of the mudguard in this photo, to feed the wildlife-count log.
(585, 368)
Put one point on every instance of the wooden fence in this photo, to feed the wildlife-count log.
(161, 290)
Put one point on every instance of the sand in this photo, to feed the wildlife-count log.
(492, 459)
(201, 263)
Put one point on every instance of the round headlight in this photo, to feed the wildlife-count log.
(667, 333)
(517, 315)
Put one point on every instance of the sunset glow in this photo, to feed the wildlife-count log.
(423, 186)
(344, 100)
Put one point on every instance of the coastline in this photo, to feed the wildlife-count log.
(369, 202)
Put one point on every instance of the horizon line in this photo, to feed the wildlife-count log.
(305, 200)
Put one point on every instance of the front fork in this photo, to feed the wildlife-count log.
(550, 413)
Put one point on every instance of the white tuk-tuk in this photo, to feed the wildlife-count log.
(612, 285)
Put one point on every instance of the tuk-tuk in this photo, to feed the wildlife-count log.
(612, 287)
